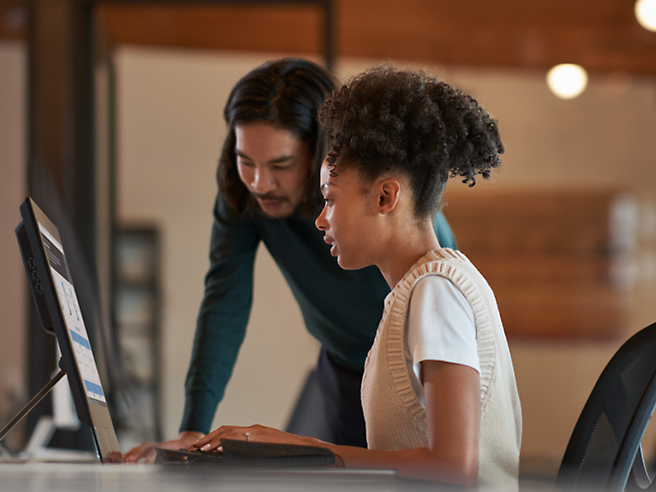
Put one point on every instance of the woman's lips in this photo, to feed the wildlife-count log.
(331, 241)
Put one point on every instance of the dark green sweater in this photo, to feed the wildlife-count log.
(341, 308)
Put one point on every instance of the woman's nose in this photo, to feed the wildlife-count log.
(321, 222)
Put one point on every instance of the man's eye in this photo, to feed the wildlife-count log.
(281, 168)
(242, 162)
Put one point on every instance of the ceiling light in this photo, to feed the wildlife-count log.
(645, 12)
(567, 81)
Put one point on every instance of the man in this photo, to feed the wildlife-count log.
(268, 191)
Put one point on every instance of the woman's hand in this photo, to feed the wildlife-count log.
(255, 433)
(452, 398)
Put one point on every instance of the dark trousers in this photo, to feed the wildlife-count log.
(340, 388)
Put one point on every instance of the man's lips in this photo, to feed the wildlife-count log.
(269, 201)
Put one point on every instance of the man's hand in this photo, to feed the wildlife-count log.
(147, 449)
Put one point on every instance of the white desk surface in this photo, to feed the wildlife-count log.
(70, 477)
(67, 477)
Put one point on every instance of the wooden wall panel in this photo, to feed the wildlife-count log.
(272, 28)
(602, 36)
(13, 19)
(550, 257)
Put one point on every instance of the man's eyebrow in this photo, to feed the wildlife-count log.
(277, 160)
(282, 158)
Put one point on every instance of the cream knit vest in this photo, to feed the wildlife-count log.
(395, 418)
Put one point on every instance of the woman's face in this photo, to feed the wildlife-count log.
(348, 218)
(274, 165)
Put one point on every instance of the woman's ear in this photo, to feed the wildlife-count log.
(388, 195)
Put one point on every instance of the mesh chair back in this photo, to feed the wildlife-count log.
(607, 436)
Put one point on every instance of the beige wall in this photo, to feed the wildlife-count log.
(601, 140)
(170, 134)
(13, 287)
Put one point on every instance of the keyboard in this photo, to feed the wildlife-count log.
(254, 454)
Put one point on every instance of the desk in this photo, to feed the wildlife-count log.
(54, 477)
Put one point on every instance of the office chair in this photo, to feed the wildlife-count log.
(604, 450)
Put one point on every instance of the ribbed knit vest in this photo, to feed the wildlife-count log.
(396, 419)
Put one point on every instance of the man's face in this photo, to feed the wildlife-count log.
(274, 165)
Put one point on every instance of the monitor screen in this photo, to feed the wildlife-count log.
(59, 311)
(72, 317)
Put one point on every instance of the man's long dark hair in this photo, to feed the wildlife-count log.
(287, 94)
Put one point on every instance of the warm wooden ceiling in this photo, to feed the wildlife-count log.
(602, 36)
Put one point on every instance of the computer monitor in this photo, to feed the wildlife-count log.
(59, 312)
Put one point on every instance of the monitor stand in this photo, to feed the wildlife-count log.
(37, 448)
(32, 403)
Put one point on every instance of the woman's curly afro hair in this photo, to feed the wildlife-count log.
(387, 120)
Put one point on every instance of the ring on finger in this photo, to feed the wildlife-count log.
(247, 434)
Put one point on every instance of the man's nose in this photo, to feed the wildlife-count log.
(263, 181)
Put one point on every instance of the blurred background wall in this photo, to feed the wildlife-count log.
(169, 132)
(171, 97)
(12, 190)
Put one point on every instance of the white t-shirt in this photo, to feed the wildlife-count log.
(440, 326)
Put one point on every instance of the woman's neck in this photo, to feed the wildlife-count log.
(403, 249)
